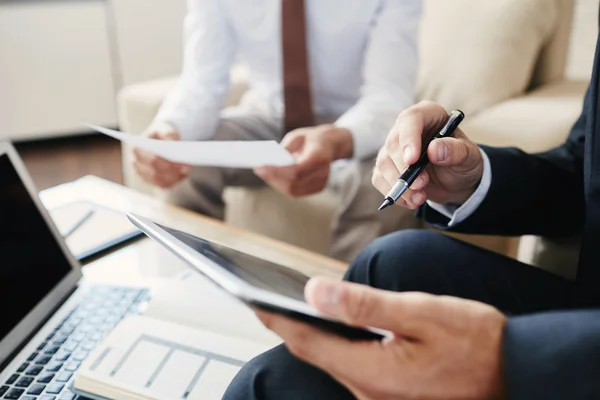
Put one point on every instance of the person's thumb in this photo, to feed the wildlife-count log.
(453, 152)
(152, 135)
(360, 305)
(293, 142)
(171, 135)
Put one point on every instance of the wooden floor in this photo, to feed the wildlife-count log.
(55, 161)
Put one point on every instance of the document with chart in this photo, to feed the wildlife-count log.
(145, 358)
(189, 344)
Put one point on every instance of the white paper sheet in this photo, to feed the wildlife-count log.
(193, 300)
(232, 154)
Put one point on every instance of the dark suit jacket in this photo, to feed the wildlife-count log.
(556, 193)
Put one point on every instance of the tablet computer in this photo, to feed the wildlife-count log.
(258, 283)
(91, 230)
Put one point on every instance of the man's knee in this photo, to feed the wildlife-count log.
(264, 376)
(277, 374)
(407, 260)
(247, 383)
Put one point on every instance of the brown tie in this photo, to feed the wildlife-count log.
(296, 82)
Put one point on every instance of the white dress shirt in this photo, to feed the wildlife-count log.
(362, 62)
(457, 215)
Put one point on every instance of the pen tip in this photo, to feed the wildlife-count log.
(386, 203)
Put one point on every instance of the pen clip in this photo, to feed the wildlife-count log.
(454, 119)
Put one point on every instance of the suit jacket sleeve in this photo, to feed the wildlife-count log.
(531, 194)
(553, 355)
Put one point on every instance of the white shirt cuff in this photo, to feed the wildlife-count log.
(459, 214)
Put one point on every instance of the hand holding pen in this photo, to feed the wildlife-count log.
(445, 170)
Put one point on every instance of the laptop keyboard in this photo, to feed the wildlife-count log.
(48, 372)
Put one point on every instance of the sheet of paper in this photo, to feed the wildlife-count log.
(192, 300)
(232, 154)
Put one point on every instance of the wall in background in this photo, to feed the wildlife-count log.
(55, 68)
(63, 62)
(583, 39)
(148, 38)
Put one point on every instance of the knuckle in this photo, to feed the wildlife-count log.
(290, 189)
(391, 140)
(426, 103)
(168, 182)
(377, 179)
(410, 111)
(359, 304)
(374, 180)
(409, 205)
(380, 162)
(154, 177)
(267, 321)
(154, 161)
(298, 344)
(461, 153)
(422, 301)
(403, 203)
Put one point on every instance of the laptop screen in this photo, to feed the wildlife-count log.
(31, 261)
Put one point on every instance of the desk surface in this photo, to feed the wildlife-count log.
(147, 260)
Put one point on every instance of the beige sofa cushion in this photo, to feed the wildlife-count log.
(535, 122)
(476, 53)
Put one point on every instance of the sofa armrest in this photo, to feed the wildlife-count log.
(139, 103)
(559, 256)
(534, 122)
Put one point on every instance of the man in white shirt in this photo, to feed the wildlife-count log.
(327, 78)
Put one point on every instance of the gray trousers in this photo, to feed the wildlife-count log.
(357, 221)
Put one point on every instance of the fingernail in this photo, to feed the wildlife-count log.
(325, 295)
(442, 152)
(407, 153)
(417, 198)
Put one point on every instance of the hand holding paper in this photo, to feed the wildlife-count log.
(229, 154)
(314, 148)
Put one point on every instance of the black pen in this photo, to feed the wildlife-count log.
(413, 171)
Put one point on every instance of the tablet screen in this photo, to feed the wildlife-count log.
(255, 271)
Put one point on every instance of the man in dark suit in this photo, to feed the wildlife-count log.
(503, 328)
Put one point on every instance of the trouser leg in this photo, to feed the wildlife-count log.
(357, 221)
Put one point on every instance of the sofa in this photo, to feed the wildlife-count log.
(503, 63)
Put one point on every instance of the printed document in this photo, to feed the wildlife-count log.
(230, 154)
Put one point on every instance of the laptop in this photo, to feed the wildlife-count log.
(51, 317)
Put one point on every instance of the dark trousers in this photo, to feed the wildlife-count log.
(408, 260)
